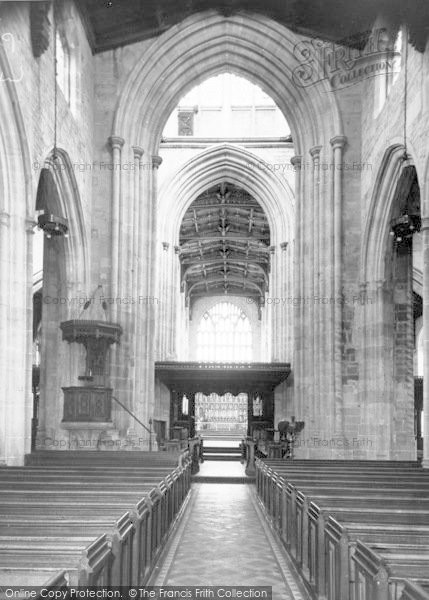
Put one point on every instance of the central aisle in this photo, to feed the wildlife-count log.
(224, 539)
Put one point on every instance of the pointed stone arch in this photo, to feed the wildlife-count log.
(69, 203)
(266, 53)
(207, 44)
(219, 163)
(241, 167)
(66, 285)
(386, 283)
(376, 233)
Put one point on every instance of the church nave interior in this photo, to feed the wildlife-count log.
(214, 280)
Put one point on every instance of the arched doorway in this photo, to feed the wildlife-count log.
(394, 220)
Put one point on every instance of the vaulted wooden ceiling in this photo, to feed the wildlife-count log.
(114, 23)
(225, 245)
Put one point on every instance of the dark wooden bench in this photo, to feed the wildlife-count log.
(114, 457)
(415, 589)
(58, 510)
(88, 562)
(380, 569)
(339, 541)
(120, 535)
(301, 498)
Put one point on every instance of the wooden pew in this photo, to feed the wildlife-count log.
(87, 561)
(380, 569)
(120, 536)
(340, 540)
(85, 504)
(85, 457)
(415, 590)
(308, 540)
(63, 504)
(266, 477)
(288, 504)
(300, 499)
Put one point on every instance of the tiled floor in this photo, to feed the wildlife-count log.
(223, 539)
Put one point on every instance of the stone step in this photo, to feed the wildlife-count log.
(221, 456)
(222, 449)
(221, 479)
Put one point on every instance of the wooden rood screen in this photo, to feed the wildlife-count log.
(356, 530)
(88, 518)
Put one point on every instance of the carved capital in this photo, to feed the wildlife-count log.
(138, 152)
(116, 142)
(338, 141)
(296, 161)
(156, 161)
(315, 151)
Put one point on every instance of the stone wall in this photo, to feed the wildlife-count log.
(27, 130)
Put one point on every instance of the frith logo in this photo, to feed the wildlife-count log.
(366, 55)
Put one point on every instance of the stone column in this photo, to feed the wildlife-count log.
(315, 300)
(298, 287)
(29, 227)
(147, 305)
(136, 240)
(274, 293)
(338, 143)
(116, 143)
(425, 233)
(286, 267)
(166, 291)
(140, 399)
(174, 306)
(4, 332)
(135, 232)
(401, 409)
(152, 280)
(311, 355)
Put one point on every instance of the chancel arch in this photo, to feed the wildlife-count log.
(210, 169)
(202, 46)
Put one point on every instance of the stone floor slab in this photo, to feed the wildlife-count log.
(224, 539)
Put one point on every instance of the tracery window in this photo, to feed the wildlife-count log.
(224, 335)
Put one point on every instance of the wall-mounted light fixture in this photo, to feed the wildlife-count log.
(53, 225)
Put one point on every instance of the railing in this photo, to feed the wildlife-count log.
(148, 429)
(195, 453)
